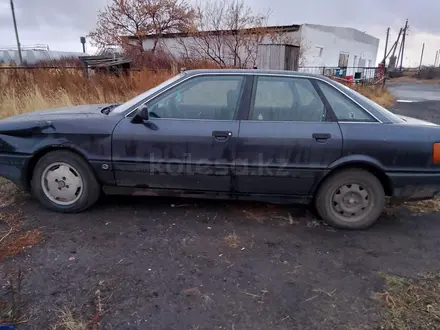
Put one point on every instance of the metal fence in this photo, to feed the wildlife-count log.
(357, 75)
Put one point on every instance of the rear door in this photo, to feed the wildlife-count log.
(288, 140)
(189, 140)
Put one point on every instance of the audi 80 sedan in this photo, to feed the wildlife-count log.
(274, 136)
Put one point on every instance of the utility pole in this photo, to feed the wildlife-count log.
(436, 57)
(405, 30)
(421, 57)
(399, 56)
(386, 48)
(16, 33)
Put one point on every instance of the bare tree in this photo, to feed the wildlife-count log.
(227, 32)
(168, 16)
(139, 18)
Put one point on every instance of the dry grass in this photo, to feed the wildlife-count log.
(416, 208)
(68, 321)
(412, 303)
(37, 89)
(415, 80)
(232, 240)
(427, 206)
(378, 94)
(12, 239)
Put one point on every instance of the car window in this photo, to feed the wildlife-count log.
(344, 108)
(306, 92)
(286, 99)
(369, 103)
(273, 93)
(202, 97)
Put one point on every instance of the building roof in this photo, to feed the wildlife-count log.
(343, 32)
(275, 28)
(346, 33)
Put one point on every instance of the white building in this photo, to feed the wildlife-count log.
(321, 46)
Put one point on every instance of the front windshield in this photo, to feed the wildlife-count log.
(372, 104)
(130, 103)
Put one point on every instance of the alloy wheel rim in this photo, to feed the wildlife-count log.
(62, 183)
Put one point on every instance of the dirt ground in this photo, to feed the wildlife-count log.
(160, 263)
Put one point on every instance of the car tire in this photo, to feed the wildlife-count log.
(350, 199)
(64, 182)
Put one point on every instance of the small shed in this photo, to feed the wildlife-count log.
(278, 57)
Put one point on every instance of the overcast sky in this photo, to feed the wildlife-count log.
(60, 23)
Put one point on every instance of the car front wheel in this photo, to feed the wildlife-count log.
(64, 182)
(351, 199)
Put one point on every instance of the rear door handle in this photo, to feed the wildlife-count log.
(221, 136)
(321, 137)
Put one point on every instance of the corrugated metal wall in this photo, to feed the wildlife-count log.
(277, 57)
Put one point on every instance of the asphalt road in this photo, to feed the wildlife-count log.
(410, 91)
(417, 100)
(157, 263)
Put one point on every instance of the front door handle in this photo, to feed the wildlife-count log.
(221, 136)
(321, 137)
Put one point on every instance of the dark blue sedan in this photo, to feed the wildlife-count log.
(275, 136)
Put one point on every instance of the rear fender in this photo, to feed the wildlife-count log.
(356, 161)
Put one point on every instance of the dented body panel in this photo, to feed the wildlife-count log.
(83, 130)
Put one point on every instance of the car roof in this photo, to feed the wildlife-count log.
(256, 72)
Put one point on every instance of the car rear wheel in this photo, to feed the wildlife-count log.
(64, 182)
(351, 199)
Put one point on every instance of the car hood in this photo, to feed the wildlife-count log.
(415, 121)
(73, 112)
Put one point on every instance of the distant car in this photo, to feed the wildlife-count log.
(275, 136)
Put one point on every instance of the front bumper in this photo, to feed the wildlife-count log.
(13, 167)
(414, 186)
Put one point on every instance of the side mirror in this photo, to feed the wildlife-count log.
(141, 115)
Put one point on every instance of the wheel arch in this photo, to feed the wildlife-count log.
(366, 165)
(42, 152)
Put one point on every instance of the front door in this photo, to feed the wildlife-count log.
(189, 140)
(288, 139)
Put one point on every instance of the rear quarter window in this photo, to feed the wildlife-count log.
(344, 108)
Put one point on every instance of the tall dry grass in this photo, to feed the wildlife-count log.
(29, 90)
(379, 94)
(36, 89)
